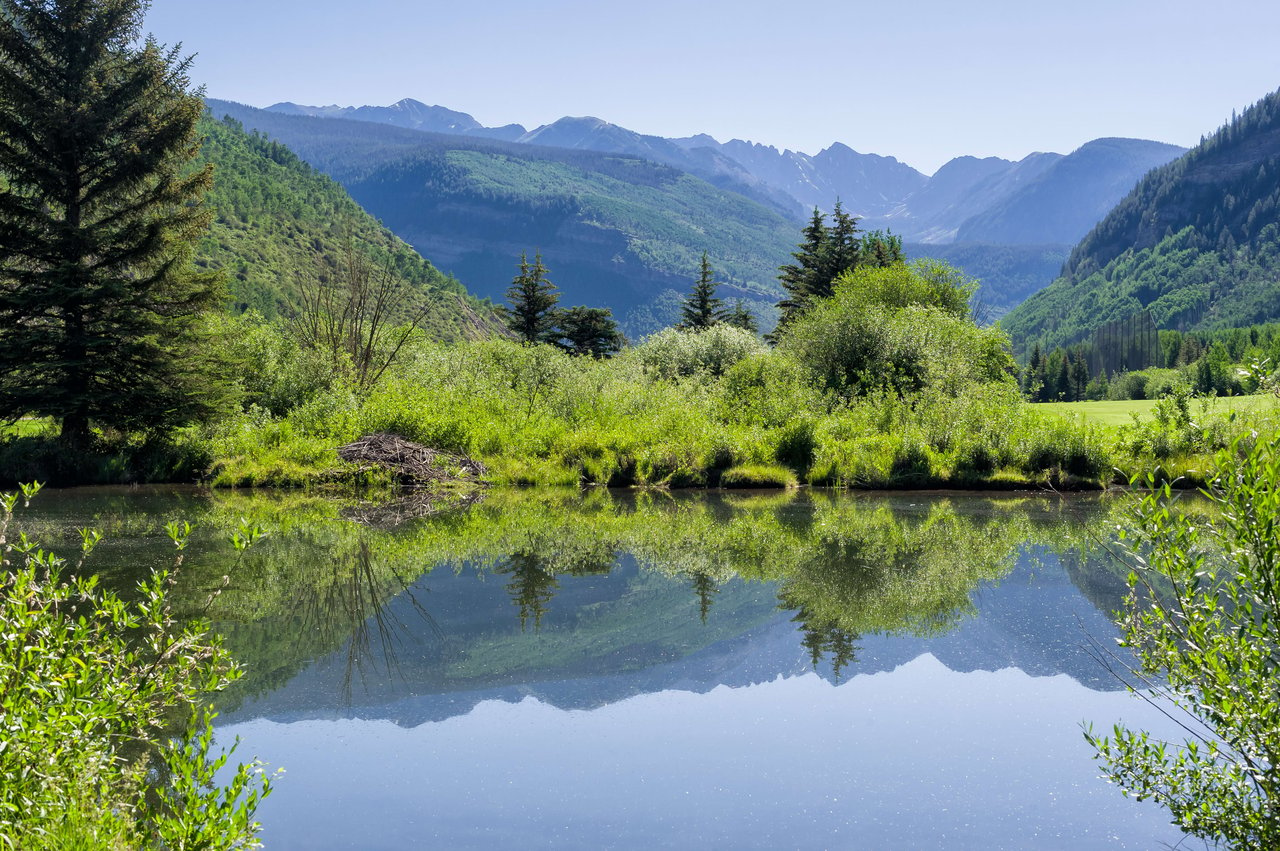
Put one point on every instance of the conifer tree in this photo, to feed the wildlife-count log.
(706, 588)
(99, 214)
(881, 249)
(826, 253)
(741, 317)
(701, 308)
(1080, 376)
(531, 303)
(841, 251)
(1062, 379)
(799, 278)
(1033, 376)
(590, 331)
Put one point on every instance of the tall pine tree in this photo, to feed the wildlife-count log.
(841, 251)
(531, 303)
(826, 253)
(799, 279)
(701, 308)
(99, 214)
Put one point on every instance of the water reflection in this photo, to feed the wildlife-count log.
(365, 605)
(616, 656)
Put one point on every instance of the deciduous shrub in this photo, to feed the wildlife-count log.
(674, 353)
(89, 688)
(1203, 616)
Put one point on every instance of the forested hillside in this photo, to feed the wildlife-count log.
(1197, 244)
(279, 224)
(613, 229)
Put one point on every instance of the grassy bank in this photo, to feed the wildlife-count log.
(726, 412)
(886, 384)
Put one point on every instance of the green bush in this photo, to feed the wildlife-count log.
(767, 389)
(1053, 445)
(898, 329)
(273, 370)
(89, 684)
(1204, 619)
(758, 476)
(674, 353)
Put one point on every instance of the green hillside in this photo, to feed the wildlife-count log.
(279, 222)
(615, 230)
(1197, 244)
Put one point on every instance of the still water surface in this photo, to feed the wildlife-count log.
(549, 669)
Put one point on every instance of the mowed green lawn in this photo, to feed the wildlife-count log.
(1120, 413)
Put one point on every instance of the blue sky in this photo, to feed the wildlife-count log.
(922, 80)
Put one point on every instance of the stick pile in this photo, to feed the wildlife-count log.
(414, 465)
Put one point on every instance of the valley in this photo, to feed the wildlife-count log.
(557, 484)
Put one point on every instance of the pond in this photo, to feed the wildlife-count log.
(616, 670)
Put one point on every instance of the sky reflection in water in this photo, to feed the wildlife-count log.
(618, 672)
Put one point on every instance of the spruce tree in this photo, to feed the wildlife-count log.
(99, 212)
(841, 251)
(1033, 376)
(701, 308)
(799, 278)
(531, 303)
(590, 331)
(826, 253)
(881, 249)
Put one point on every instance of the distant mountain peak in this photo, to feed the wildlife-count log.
(699, 140)
(408, 113)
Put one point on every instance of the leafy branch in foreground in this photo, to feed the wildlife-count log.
(1203, 616)
(90, 689)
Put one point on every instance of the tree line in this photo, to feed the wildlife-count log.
(1211, 363)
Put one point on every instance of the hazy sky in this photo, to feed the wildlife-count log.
(922, 80)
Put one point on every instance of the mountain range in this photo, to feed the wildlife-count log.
(615, 230)
(622, 218)
(1045, 198)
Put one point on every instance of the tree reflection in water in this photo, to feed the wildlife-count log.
(532, 586)
(606, 579)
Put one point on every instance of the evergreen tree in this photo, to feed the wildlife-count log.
(99, 213)
(1079, 370)
(531, 303)
(590, 331)
(827, 253)
(701, 308)
(1062, 379)
(881, 249)
(706, 589)
(841, 251)
(532, 587)
(799, 279)
(741, 317)
(1033, 376)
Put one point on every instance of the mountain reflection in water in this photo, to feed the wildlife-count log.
(652, 626)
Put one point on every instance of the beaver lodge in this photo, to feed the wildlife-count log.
(412, 464)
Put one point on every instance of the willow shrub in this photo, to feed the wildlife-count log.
(1209, 644)
(713, 351)
(89, 685)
